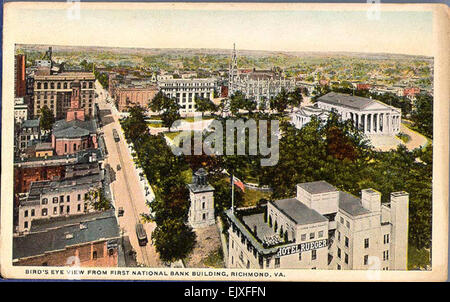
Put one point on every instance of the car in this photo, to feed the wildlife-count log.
(121, 212)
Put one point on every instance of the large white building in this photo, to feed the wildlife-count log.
(372, 116)
(302, 115)
(185, 91)
(321, 228)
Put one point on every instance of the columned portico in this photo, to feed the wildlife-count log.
(372, 116)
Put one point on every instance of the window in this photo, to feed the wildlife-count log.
(339, 236)
(204, 216)
(339, 253)
(32, 213)
(111, 252)
(342, 220)
(55, 199)
(61, 198)
(79, 197)
(303, 237)
(346, 258)
(25, 214)
(94, 255)
(312, 235)
(267, 262)
(386, 239)
(79, 208)
(232, 260)
(25, 225)
(248, 263)
(44, 212)
(203, 205)
(68, 198)
(44, 201)
(386, 255)
(348, 224)
(338, 267)
(366, 259)
(55, 210)
(68, 209)
(320, 234)
(366, 243)
(313, 254)
(346, 241)
(277, 262)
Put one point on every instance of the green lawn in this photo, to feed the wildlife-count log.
(251, 197)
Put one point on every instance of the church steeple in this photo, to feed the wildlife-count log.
(75, 112)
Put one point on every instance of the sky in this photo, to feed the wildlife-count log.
(282, 30)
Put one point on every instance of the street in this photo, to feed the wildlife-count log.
(127, 191)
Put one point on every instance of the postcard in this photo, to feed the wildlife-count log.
(225, 141)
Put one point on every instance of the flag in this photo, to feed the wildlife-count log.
(238, 183)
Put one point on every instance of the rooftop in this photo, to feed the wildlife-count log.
(347, 100)
(73, 129)
(317, 187)
(298, 212)
(30, 123)
(56, 235)
(351, 204)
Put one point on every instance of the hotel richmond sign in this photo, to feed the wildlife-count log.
(302, 247)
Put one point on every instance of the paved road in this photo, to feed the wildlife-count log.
(126, 188)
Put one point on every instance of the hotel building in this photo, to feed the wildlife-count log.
(321, 228)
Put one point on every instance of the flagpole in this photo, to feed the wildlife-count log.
(232, 193)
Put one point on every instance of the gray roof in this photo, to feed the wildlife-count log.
(351, 204)
(263, 230)
(346, 100)
(200, 188)
(298, 212)
(53, 236)
(75, 128)
(317, 187)
(30, 123)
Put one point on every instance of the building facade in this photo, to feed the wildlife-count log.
(47, 199)
(127, 96)
(303, 115)
(21, 109)
(321, 228)
(29, 130)
(371, 116)
(186, 90)
(201, 194)
(259, 85)
(55, 90)
(20, 81)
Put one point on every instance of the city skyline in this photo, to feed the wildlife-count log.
(407, 33)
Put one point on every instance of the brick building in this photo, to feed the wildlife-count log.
(20, 82)
(75, 133)
(90, 240)
(55, 90)
(127, 96)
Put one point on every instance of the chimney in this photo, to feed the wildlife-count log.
(371, 200)
(399, 235)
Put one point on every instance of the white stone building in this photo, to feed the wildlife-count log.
(372, 116)
(259, 85)
(185, 91)
(302, 115)
(201, 194)
(321, 228)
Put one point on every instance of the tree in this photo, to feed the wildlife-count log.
(98, 200)
(203, 104)
(173, 240)
(422, 116)
(47, 119)
(168, 107)
(134, 125)
(295, 97)
(281, 101)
